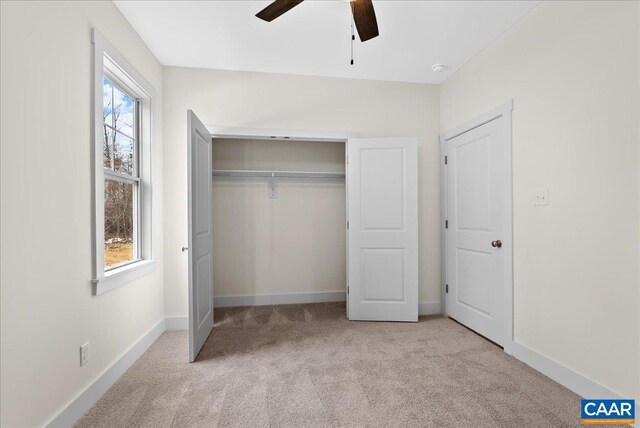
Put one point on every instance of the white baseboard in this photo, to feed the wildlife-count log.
(429, 308)
(424, 308)
(87, 398)
(182, 323)
(176, 323)
(581, 385)
(280, 299)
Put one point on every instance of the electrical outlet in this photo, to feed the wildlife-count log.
(541, 197)
(84, 353)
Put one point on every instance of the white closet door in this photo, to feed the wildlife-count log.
(199, 160)
(382, 184)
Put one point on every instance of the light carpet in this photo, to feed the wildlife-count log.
(307, 365)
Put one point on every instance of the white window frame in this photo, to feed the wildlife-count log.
(108, 61)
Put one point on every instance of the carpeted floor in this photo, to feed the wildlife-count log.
(306, 365)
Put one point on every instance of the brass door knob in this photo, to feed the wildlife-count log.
(496, 244)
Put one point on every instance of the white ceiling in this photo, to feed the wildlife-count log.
(314, 37)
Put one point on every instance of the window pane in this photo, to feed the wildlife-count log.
(123, 112)
(118, 223)
(107, 101)
(118, 152)
(107, 137)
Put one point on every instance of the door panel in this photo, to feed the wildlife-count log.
(474, 280)
(473, 181)
(203, 298)
(200, 239)
(382, 183)
(381, 191)
(383, 274)
(476, 206)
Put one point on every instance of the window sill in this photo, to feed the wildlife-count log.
(120, 276)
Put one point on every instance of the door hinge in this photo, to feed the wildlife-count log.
(347, 224)
(347, 289)
(446, 288)
(446, 224)
(445, 160)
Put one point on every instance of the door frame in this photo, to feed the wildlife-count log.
(235, 132)
(502, 113)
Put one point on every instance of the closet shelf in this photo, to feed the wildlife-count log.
(273, 176)
(247, 173)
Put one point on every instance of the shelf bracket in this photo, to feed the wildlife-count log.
(273, 190)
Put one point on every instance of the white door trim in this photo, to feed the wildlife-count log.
(494, 113)
(234, 132)
(503, 113)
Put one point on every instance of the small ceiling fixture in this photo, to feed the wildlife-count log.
(437, 68)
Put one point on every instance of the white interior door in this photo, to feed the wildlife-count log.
(477, 239)
(199, 160)
(382, 183)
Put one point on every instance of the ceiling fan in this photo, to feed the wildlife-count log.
(363, 15)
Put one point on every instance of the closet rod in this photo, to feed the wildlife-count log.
(275, 174)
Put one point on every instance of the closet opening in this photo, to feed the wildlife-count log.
(278, 221)
(300, 219)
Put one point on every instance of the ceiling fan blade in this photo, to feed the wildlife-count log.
(277, 8)
(365, 19)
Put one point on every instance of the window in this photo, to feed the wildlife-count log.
(122, 170)
(121, 175)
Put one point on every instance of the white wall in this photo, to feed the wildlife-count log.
(294, 243)
(261, 100)
(572, 69)
(48, 310)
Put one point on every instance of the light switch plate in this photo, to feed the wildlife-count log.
(541, 196)
(84, 353)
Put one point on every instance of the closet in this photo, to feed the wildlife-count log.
(279, 226)
(295, 213)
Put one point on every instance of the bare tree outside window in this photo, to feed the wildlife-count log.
(120, 154)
